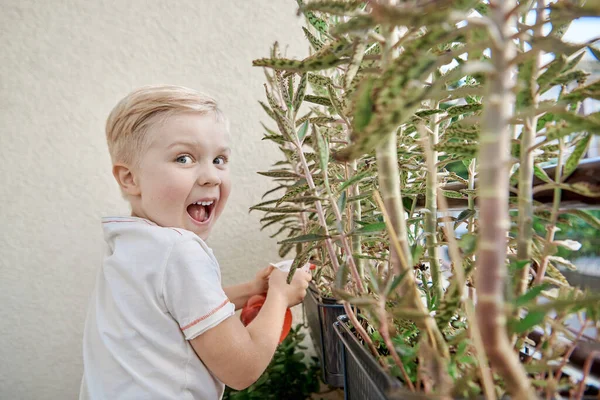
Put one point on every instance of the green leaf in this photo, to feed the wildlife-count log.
(374, 280)
(463, 216)
(335, 101)
(341, 203)
(595, 52)
(395, 281)
(299, 97)
(316, 62)
(274, 138)
(314, 42)
(321, 120)
(319, 80)
(317, 22)
(281, 210)
(359, 23)
(588, 218)
(452, 194)
(468, 243)
(311, 237)
(575, 157)
(353, 180)
(333, 7)
(524, 96)
(281, 173)
(363, 105)
(532, 319)
(467, 108)
(540, 173)
(321, 100)
(285, 249)
(530, 295)
(354, 66)
(583, 188)
(370, 228)
(300, 259)
(302, 131)
(591, 91)
(293, 192)
(459, 150)
(269, 112)
(554, 69)
(323, 149)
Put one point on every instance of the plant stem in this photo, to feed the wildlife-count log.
(494, 156)
(428, 324)
(471, 201)
(389, 177)
(431, 205)
(390, 186)
(525, 216)
(320, 213)
(356, 215)
(586, 371)
(361, 331)
(551, 227)
(457, 261)
(344, 239)
(385, 334)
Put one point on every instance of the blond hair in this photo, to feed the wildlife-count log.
(129, 121)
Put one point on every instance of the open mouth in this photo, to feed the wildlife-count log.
(201, 211)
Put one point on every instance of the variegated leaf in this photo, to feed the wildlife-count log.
(319, 80)
(299, 97)
(575, 157)
(315, 43)
(333, 7)
(324, 101)
(356, 24)
(281, 173)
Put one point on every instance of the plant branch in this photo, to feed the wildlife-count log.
(318, 205)
(525, 215)
(493, 191)
(551, 227)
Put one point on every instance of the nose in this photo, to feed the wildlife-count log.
(209, 176)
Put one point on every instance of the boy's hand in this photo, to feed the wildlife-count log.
(261, 280)
(293, 292)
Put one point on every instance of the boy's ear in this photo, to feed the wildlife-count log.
(126, 180)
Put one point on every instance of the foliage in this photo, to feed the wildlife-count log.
(372, 125)
(288, 376)
(576, 229)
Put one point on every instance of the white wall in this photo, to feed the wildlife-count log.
(64, 64)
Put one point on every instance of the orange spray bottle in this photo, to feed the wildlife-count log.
(255, 303)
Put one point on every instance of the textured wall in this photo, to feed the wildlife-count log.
(65, 63)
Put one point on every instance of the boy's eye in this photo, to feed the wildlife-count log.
(184, 159)
(221, 160)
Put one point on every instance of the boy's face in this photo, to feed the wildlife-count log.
(183, 177)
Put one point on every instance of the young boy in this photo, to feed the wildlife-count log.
(160, 325)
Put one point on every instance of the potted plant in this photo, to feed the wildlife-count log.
(413, 106)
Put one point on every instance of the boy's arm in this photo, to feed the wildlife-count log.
(238, 355)
(239, 294)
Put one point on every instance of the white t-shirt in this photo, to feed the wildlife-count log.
(157, 288)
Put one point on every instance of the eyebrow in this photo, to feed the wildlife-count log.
(224, 149)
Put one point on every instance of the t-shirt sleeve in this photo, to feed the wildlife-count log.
(192, 289)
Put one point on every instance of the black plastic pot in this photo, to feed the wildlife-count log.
(321, 313)
(364, 379)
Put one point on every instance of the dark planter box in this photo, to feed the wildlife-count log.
(321, 313)
(364, 379)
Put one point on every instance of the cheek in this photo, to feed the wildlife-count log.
(167, 189)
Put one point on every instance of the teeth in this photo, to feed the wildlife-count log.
(205, 203)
